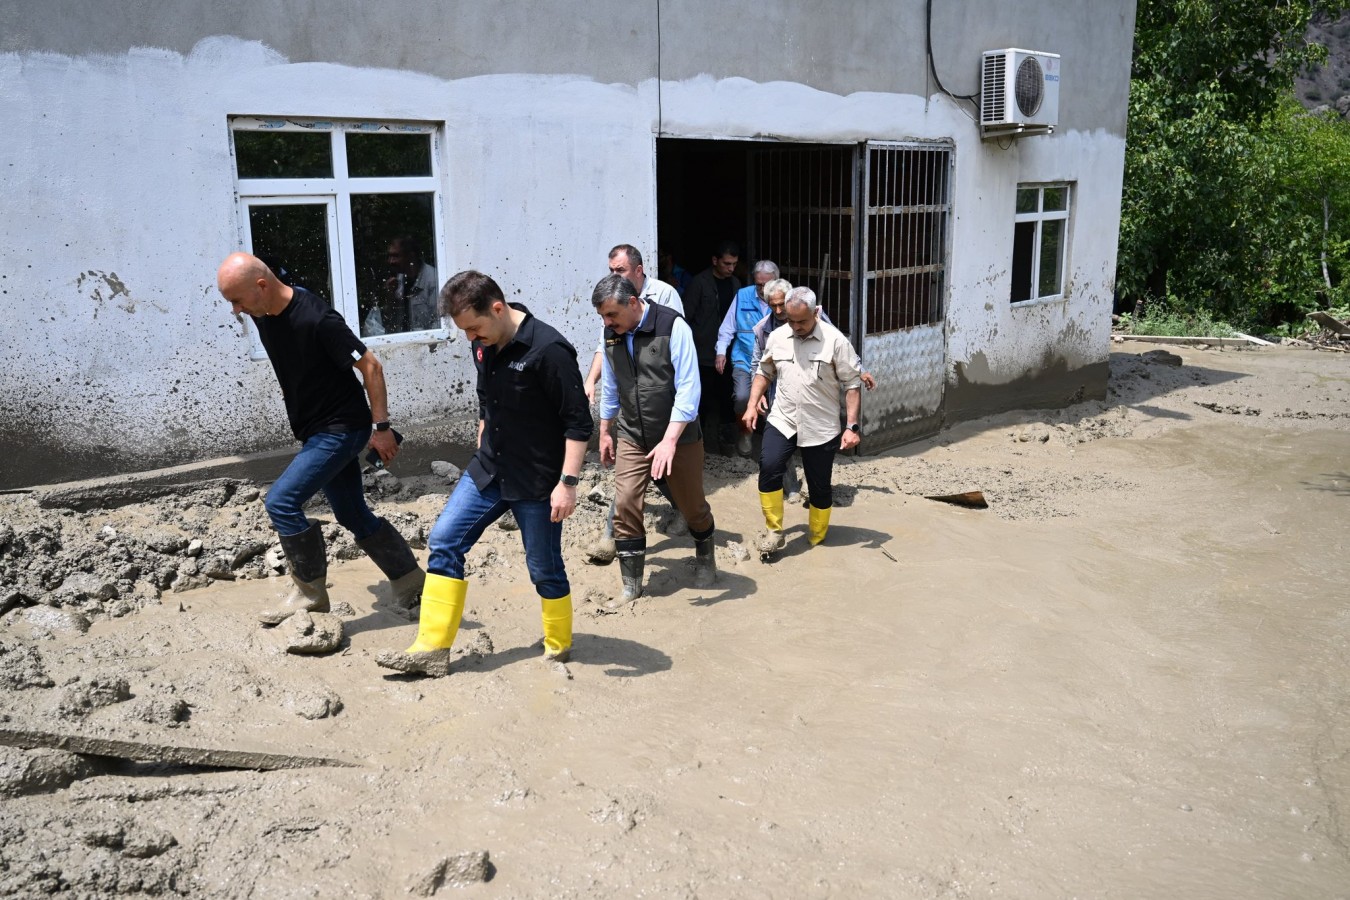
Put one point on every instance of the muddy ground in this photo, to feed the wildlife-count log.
(1128, 677)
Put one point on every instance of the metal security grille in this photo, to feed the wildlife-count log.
(802, 218)
(904, 247)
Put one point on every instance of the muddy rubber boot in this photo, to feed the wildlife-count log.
(771, 541)
(390, 551)
(631, 564)
(602, 550)
(557, 618)
(705, 561)
(818, 523)
(442, 609)
(308, 560)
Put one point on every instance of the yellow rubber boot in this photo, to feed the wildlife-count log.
(557, 617)
(442, 608)
(772, 539)
(818, 522)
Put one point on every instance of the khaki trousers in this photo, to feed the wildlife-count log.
(632, 473)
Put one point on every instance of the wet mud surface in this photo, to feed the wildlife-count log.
(1128, 676)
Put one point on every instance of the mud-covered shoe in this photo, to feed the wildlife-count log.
(744, 444)
(769, 543)
(307, 558)
(433, 663)
(705, 563)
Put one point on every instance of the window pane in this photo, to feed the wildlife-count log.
(388, 155)
(293, 241)
(1024, 245)
(1027, 199)
(283, 154)
(1056, 198)
(396, 280)
(1052, 258)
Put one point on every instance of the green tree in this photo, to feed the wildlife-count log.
(1199, 226)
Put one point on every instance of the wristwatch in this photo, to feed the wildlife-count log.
(570, 480)
(853, 427)
(382, 426)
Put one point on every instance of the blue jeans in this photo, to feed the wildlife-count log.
(470, 511)
(328, 463)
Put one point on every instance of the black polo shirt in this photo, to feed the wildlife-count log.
(312, 351)
(530, 400)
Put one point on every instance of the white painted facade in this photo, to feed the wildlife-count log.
(119, 189)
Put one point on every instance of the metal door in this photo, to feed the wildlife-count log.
(898, 299)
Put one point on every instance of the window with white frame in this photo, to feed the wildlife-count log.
(350, 211)
(1040, 241)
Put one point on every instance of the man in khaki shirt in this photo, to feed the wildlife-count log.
(811, 362)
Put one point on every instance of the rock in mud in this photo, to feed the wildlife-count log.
(455, 871)
(167, 711)
(309, 633)
(21, 667)
(313, 705)
(130, 838)
(434, 663)
(24, 772)
(86, 586)
(83, 697)
(46, 622)
(442, 469)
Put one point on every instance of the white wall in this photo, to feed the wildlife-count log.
(119, 193)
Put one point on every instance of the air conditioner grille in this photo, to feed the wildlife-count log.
(1030, 87)
(991, 89)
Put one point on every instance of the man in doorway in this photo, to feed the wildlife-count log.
(412, 288)
(810, 362)
(705, 303)
(534, 423)
(313, 353)
(649, 391)
(736, 341)
(626, 261)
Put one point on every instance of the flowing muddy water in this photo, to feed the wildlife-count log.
(1127, 677)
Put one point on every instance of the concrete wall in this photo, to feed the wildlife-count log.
(119, 184)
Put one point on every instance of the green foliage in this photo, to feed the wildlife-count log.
(1175, 322)
(1225, 176)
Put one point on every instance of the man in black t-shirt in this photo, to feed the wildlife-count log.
(313, 353)
(533, 425)
(705, 305)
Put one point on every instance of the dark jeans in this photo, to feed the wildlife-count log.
(470, 511)
(817, 463)
(328, 463)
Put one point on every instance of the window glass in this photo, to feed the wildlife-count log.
(1024, 248)
(293, 240)
(1056, 198)
(283, 154)
(1027, 199)
(397, 285)
(1052, 258)
(383, 155)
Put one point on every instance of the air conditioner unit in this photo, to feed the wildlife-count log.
(1019, 93)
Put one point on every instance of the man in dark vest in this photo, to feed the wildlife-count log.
(313, 352)
(649, 390)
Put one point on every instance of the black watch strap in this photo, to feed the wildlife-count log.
(382, 426)
(570, 480)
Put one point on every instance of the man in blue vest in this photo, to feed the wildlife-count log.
(736, 341)
(649, 392)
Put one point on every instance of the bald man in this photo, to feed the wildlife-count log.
(313, 353)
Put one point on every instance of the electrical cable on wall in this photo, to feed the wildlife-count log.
(932, 65)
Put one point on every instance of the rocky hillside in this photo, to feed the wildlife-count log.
(1328, 84)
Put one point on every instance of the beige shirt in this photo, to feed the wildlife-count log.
(810, 373)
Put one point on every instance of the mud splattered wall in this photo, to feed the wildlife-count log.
(119, 187)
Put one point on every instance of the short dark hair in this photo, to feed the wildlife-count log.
(634, 255)
(613, 287)
(469, 290)
(726, 248)
(408, 244)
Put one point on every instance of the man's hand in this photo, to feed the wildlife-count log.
(849, 440)
(750, 418)
(662, 457)
(720, 363)
(606, 449)
(868, 381)
(384, 444)
(563, 502)
(763, 404)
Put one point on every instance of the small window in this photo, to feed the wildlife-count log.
(1040, 241)
(348, 210)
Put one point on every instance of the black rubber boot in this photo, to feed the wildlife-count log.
(388, 550)
(308, 559)
(630, 570)
(705, 560)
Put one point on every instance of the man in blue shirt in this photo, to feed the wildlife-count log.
(649, 390)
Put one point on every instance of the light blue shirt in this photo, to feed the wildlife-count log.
(684, 357)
